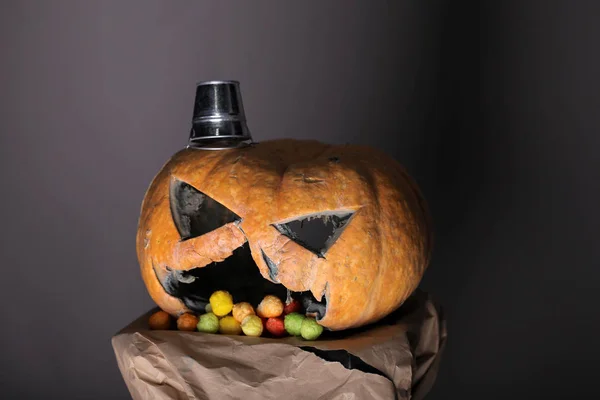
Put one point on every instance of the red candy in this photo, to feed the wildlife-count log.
(293, 306)
(275, 326)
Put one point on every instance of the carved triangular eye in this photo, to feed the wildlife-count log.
(316, 232)
(195, 213)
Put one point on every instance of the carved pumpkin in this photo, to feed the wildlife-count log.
(342, 227)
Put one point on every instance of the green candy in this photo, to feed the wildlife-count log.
(208, 323)
(293, 323)
(310, 329)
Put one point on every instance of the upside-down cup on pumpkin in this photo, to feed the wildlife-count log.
(344, 228)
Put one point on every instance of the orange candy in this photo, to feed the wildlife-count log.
(241, 311)
(160, 320)
(270, 307)
(187, 322)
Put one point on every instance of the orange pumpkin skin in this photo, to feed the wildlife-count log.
(368, 272)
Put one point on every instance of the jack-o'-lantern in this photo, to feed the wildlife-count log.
(341, 227)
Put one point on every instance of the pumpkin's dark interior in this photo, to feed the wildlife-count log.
(195, 214)
(316, 232)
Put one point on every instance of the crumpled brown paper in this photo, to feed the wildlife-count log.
(397, 358)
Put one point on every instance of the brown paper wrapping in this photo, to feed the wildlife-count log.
(397, 358)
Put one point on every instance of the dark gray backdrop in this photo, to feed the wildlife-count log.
(493, 108)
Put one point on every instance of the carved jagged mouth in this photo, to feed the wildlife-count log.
(240, 276)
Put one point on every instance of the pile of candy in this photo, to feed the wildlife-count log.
(224, 316)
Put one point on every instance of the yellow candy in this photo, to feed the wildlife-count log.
(221, 303)
(252, 326)
(229, 326)
(241, 311)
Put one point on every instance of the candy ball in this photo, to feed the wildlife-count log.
(310, 329)
(208, 323)
(241, 311)
(187, 322)
(270, 307)
(293, 323)
(221, 303)
(229, 326)
(276, 326)
(292, 306)
(252, 325)
(160, 320)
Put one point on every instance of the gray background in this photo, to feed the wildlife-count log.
(492, 106)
